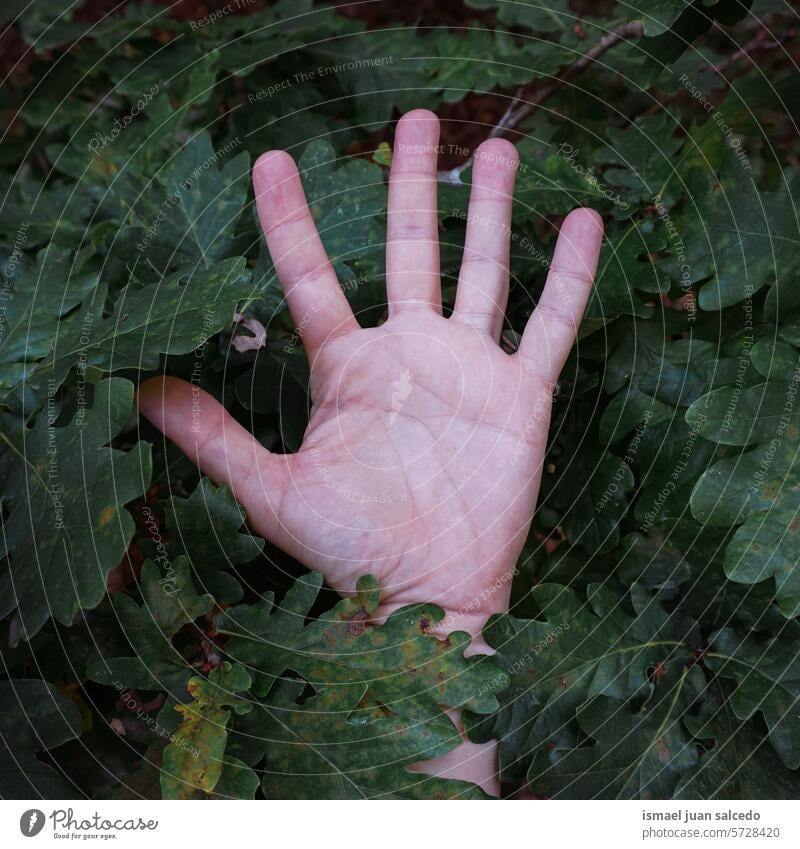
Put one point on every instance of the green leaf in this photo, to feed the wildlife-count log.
(768, 681)
(46, 23)
(34, 717)
(278, 384)
(671, 456)
(376, 69)
(187, 215)
(731, 415)
(38, 301)
(739, 765)
(760, 491)
(206, 528)
(697, 19)
(169, 602)
(640, 157)
(237, 781)
(681, 383)
(155, 63)
(774, 359)
(637, 752)
(461, 62)
(654, 560)
(407, 669)
(735, 488)
(68, 527)
(658, 15)
(767, 545)
(590, 489)
(252, 42)
(117, 153)
(193, 761)
(575, 653)
(348, 204)
(50, 215)
(638, 348)
(173, 317)
(553, 178)
(554, 16)
(719, 601)
(620, 273)
(340, 745)
(791, 332)
(740, 241)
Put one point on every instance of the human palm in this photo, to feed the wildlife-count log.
(422, 458)
(408, 465)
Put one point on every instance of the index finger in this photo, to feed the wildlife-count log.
(317, 303)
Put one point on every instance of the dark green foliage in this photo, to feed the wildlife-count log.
(168, 603)
(768, 673)
(34, 717)
(406, 668)
(67, 526)
(206, 529)
(578, 657)
(151, 645)
(340, 745)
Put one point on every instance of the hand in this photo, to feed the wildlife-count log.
(422, 459)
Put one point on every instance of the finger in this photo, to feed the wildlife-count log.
(318, 305)
(224, 450)
(482, 291)
(552, 328)
(412, 249)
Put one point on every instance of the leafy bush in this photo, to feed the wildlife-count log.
(152, 646)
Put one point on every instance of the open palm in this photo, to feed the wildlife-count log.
(422, 458)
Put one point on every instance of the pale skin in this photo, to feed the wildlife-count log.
(423, 455)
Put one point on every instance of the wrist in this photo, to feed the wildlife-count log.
(474, 762)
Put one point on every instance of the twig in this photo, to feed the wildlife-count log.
(520, 108)
(760, 42)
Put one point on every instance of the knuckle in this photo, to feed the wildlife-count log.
(547, 313)
(409, 231)
(573, 275)
(295, 217)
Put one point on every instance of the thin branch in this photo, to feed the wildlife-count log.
(762, 41)
(520, 107)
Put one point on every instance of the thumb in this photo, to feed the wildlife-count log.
(224, 450)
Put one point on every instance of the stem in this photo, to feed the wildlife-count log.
(520, 108)
(761, 41)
